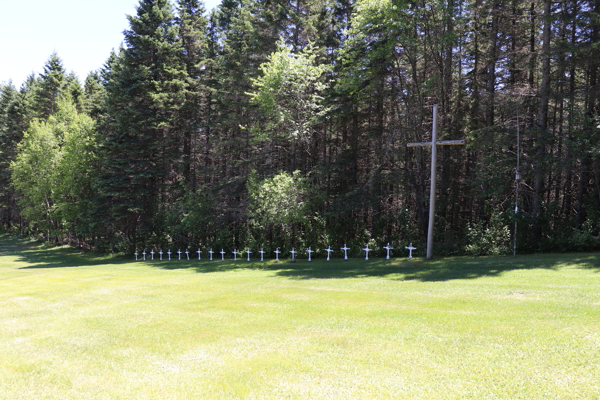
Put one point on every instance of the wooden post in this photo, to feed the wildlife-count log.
(434, 142)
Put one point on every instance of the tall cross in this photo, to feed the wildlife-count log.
(433, 144)
(388, 248)
(152, 252)
(179, 253)
(262, 254)
(249, 254)
(210, 253)
(293, 251)
(187, 253)
(169, 253)
(234, 254)
(136, 255)
(144, 254)
(199, 254)
(277, 254)
(222, 255)
(345, 248)
(309, 251)
(161, 253)
(329, 251)
(410, 249)
(367, 250)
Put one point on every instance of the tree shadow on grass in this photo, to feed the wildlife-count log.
(437, 270)
(40, 256)
(397, 269)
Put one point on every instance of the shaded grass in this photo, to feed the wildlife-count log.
(75, 326)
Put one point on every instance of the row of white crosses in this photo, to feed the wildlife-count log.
(329, 250)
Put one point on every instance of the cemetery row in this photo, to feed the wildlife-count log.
(262, 253)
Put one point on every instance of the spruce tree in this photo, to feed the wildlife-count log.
(51, 84)
(145, 91)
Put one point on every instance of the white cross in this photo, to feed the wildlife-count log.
(234, 254)
(144, 254)
(136, 255)
(210, 253)
(388, 248)
(179, 253)
(199, 254)
(277, 254)
(293, 251)
(152, 252)
(262, 253)
(434, 143)
(249, 252)
(345, 248)
(161, 253)
(169, 253)
(222, 255)
(410, 249)
(309, 251)
(187, 253)
(367, 250)
(329, 251)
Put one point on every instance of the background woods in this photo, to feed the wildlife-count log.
(286, 122)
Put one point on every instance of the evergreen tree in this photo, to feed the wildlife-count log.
(142, 149)
(51, 83)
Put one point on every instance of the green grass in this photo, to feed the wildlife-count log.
(78, 326)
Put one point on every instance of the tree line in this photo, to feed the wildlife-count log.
(285, 123)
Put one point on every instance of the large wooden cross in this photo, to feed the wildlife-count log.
(434, 142)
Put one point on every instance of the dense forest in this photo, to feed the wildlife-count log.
(283, 123)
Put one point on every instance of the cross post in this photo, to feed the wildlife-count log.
(262, 254)
(345, 248)
(309, 251)
(367, 250)
(388, 248)
(434, 143)
(329, 250)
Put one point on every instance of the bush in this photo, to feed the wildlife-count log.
(492, 238)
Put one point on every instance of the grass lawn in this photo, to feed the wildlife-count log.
(77, 326)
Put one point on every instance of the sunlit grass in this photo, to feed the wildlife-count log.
(77, 326)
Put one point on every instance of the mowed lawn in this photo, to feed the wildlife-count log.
(77, 326)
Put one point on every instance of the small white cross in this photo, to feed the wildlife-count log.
(152, 252)
(144, 254)
(277, 254)
(249, 253)
(309, 251)
(293, 251)
(187, 253)
(179, 253)
(222, 255)
(262, 253)
(161, 253)
(367, 250)
(329, 251)
(136, 255)
(210, 253)
(410, 249)
(199, 254)
(169, 253)
(388, 248)
(345, 248)
(234, 254)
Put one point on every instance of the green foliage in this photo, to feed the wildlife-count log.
(492, 238)
(54, 170)
(281, 209)
(290, 92)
